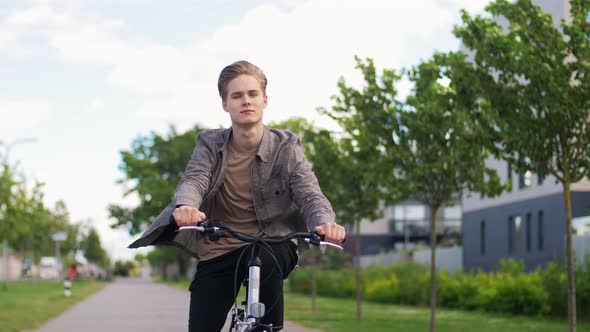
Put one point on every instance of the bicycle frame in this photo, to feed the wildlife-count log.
(248, 319)
(254, 308)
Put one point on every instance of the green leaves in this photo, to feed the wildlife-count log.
(440, 151)
(152, 168)
(368, 118)
(26, 222)
(535, 77)
(92, 248)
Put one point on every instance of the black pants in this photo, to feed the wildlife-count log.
(212, 289)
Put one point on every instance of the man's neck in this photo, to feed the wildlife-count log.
(248, 138)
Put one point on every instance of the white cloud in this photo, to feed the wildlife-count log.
(96, 106)
(303, 50)
(22, 114)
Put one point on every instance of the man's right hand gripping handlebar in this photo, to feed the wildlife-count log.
(185, 215)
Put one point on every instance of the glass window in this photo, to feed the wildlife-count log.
(453, 213)
(509, 175)
(514, 234)
(409, 212)
(540, 177)
(524, 180)
(540, 239)
(482, 237)
(529, 218)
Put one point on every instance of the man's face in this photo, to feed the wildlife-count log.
(245, 101)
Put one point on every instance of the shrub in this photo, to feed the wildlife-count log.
(336, 283)
(414, 283)
(554, 279)
(300, 280)
(517, 294)
(384, 289)
(509, 290)
(583, 289)
(465, 291)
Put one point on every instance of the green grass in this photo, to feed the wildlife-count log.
(339, 315)
(25, 305)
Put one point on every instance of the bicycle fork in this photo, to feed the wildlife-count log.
(254, 309)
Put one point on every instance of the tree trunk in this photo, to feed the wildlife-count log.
(357, 271)
(5, 264)
(570, 257)
(182, 265)
(433, 268)
(314, 289)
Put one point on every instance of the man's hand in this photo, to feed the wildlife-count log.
(187, 215)
(333, 232)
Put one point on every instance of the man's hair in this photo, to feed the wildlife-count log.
(236, 69)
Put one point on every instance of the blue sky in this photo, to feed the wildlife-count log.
(86, 77)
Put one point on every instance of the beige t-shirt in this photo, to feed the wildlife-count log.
(233, 204)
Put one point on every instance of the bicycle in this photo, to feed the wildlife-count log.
(247, 317)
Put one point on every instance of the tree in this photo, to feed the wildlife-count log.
(7, 222)
(152, 169)
(365, 175)
(324, 153)
(25, 221)
(162, 256)
(92, 248)
(437, 152)
(536, 79)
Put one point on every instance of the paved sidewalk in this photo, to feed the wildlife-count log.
(131, 305)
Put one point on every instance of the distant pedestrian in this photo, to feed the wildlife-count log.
(73, 272)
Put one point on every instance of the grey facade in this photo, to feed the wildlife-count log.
(490, 234)
(528, 222)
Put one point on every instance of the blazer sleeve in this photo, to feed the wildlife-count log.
(197, 176)
(306, 192)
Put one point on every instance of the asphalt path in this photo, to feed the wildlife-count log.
(132, 304)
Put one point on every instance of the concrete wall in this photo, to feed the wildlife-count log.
(15, 267)
(449, 259)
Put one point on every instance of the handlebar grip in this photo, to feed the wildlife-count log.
(323, 237)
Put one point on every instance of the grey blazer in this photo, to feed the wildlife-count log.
(286, 194)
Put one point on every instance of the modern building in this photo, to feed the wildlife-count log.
(408, 224)
(528, 222)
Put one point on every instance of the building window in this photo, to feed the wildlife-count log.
(529, 218)
(482, 237)
(524, 180)
(409, 212)
(509, 176)
(540, 239)
(540, 177)
(514, 234)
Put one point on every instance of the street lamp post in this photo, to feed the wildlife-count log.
(6, 161)
(58, 237)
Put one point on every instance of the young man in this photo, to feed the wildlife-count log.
(258, 181)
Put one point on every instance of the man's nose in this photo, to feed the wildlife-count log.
(246, 101)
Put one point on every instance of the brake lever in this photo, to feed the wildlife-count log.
(213, 233)
(318, 240)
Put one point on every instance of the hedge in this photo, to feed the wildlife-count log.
(509, 290)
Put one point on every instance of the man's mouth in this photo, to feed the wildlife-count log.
(247, 111)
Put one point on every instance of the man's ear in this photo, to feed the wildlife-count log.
(224, 105)
(265, 100)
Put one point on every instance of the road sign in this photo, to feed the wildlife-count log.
(60, 236)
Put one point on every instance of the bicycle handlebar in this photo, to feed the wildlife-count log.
(217, 229)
